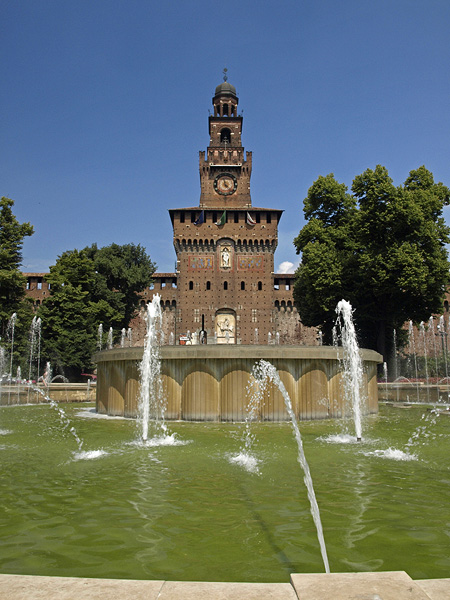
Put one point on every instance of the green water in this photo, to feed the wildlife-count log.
(187, 513)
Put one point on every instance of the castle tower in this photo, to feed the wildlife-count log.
(225, 171)
(225, 246)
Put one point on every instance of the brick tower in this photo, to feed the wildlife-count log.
(225, 246)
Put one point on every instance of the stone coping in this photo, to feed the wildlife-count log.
(395, 585)
(221, 351)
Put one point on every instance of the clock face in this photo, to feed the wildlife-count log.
(225, 184)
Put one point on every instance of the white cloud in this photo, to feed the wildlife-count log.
(287, 267)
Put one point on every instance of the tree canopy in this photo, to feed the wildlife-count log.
(382, 248)
(89, 287)
(12, 282)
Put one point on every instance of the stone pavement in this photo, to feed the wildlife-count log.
(396, 585)
(393, 585)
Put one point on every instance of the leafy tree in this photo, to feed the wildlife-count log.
(12, 282)
(381, 248)
(90, 287)
(122, 273)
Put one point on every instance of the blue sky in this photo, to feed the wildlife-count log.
(105, 104)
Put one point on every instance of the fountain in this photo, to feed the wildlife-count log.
(203, 382)
(110, 338)
(254, 524)
(263, 373)
(151, 396)
(100, 337)
(353, 374)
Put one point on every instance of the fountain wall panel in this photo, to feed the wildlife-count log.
(234, 379)
(208, 382)
(199, 393)
(131, 389)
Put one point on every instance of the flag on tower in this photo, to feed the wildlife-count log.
(200, 218)
(223, 219)
(250, 221)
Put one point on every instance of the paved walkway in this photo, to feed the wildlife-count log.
(395, 585)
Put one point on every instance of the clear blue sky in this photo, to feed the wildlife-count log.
(105, 103)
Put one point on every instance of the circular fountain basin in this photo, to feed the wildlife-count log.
(208, 382)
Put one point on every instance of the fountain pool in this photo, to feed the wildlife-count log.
(122, 509)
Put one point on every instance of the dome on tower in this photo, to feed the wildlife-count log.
(225, 89)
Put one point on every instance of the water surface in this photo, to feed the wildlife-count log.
(120, 509)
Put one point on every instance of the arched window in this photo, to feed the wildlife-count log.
(259, 285)
(208, 285)
(242, 285)
(225, 135)
(191, 285)
(225, 285)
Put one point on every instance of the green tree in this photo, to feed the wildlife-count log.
(12, 282)
(381, 248)
(122, 273)
(83, 294)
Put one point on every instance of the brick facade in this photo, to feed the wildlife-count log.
(225, 289)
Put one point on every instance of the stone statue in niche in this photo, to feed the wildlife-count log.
(225, 326)
(225, 258)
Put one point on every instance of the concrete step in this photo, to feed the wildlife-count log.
(394, 585)
(437, 589)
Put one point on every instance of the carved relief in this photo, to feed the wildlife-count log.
(225, 328)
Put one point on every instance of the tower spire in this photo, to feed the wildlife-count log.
(225, 76)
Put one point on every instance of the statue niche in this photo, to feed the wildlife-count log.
(225, 328)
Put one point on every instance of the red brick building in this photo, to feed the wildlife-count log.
(225, 289)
